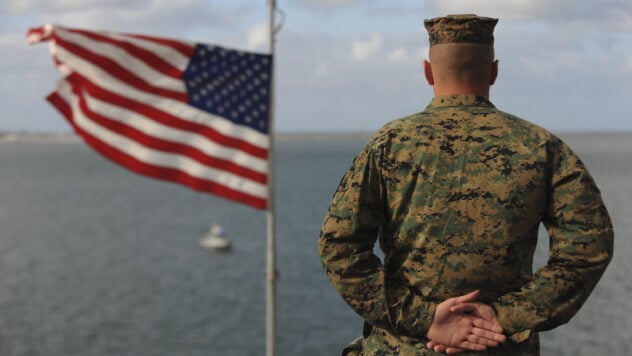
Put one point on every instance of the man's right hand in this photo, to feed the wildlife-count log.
(461, 323)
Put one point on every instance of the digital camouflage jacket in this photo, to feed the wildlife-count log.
(455, 195)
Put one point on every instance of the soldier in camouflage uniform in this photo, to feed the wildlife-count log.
(455, 195)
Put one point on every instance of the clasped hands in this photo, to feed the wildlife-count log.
(461, 324)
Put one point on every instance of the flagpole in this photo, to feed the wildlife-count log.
(271, 231)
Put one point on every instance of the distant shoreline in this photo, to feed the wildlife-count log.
(39, 137)
(280, 136)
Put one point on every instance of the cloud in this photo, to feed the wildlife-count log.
(162, 16)
(399, 55)
(157, 17)
(323, 86)
(601, 15)
(329, 4)
(627, 66)
(28, 6)
(622, 20)
(552, 64)
(508, 9)
(22, 55)
(259, 38)
(322, 70)
(363, 49)
(406, 56)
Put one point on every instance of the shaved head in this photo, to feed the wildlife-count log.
(461, 62)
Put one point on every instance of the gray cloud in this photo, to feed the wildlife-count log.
(507, 9)
(19, 7)
(329, 4)
(603, 15)
(159, 17)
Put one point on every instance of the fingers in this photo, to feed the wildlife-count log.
(488, 335)
(472, 342)
(479, 340)
(483, 321)
(476, 339)
(470, 297)
(485, 332)
(436, 347)
(461, 323)
(440, 348)
(464, 307)
(488, 325)
(453, 350)
(472, 346)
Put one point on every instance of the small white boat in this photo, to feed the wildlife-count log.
(215, 239)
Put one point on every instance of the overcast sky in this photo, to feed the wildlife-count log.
(353, 65)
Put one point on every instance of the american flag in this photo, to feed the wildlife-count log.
(190, 113)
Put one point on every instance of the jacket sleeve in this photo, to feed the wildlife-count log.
(581, 245)
(346, 242)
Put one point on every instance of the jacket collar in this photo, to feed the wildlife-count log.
(459, 100)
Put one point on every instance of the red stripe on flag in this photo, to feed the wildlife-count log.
(154, 171)
(164, 118)
(117, 71)
(38, 31)
(142, 54)
(38, 34)
(62, 106)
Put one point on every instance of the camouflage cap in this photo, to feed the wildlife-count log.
(461, 28)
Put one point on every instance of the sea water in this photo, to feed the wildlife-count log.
(97, 260)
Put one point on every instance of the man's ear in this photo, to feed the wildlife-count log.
(494, 75)
(428, 72)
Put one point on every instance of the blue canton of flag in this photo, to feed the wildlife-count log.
(232, 84)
